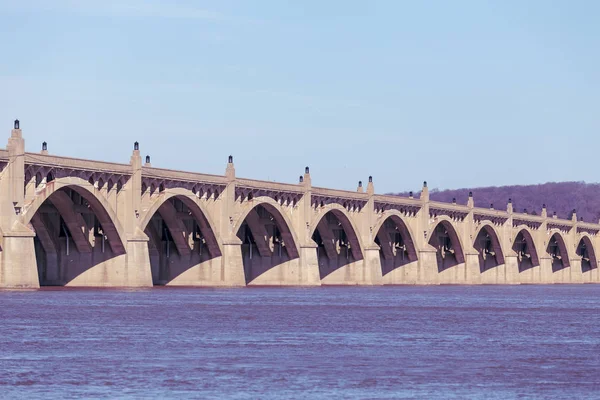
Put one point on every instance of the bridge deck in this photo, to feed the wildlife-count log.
(55, 161)
(339, 193)
(275, 186)
(170, 174)
(76, 163)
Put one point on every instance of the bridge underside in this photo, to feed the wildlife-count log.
(182, 248)
(71, 246)
(68, 257)
(269, 253)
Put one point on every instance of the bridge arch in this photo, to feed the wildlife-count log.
(101, 208)
(338, 210)
(276, 211)
(525, 248)
(337, 238)
(586, 251)
(267, 235)
(399, 219)
(444, 238)
(183, 241)
(191, 201)
(73, 221)
(558, 250)
(487, 244)
(396, 241)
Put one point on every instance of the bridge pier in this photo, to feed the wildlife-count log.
(18, 267)
(309, 266)
(232, 267)
(136, 265)
(427, 267)
(372, 268)
(511, 269)
(473, 274)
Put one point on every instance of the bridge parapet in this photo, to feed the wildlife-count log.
(454, 211)
(283, 193)
(351, 201)
(586, 227)
(406, 206)
(531, 221)
(76, 163)
(199, 184)
(562, 225)
(98, 173)
(497, 217)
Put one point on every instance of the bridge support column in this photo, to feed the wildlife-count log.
(545, 271)
(232, 270)
(18, 266)
(509, 274)
(372, 269)
(473, 271)
(575, 272)
(138, 272)
(427, 273)
(309, 266)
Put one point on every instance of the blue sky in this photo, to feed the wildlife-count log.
(461, 93)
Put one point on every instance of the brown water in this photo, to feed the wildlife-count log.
(486, 342)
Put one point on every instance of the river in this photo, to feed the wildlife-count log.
(437, 342)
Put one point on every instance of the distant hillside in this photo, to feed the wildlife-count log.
(561, 197)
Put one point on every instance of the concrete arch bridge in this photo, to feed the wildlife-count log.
(73, 222)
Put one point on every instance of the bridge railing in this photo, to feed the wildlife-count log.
(171, 174)
(54, 161)
(391, 199)
(273, 186)
(588, 227)
(339, 193)
(490, 211)
(76, 163)
(449, 206)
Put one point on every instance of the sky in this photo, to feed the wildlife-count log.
(458, 93)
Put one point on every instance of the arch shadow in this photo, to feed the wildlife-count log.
(524, 247)
(268, 239)
(335, 235)
(585, 250)
(489, 248)
(76, 230)
(558, 252)
(395, 240)
(181, 235)
(449, 249)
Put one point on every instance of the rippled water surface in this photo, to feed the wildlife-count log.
(442, 342)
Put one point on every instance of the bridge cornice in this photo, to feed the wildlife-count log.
(404, 205)
(531, 221)
(171, 179)
(347, 199)
(181, 176)
(58, 162)
(564, 226)
(584, 227)
(497, 217)
(453, 211)
(284, 192)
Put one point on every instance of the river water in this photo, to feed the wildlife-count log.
(480, 342)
